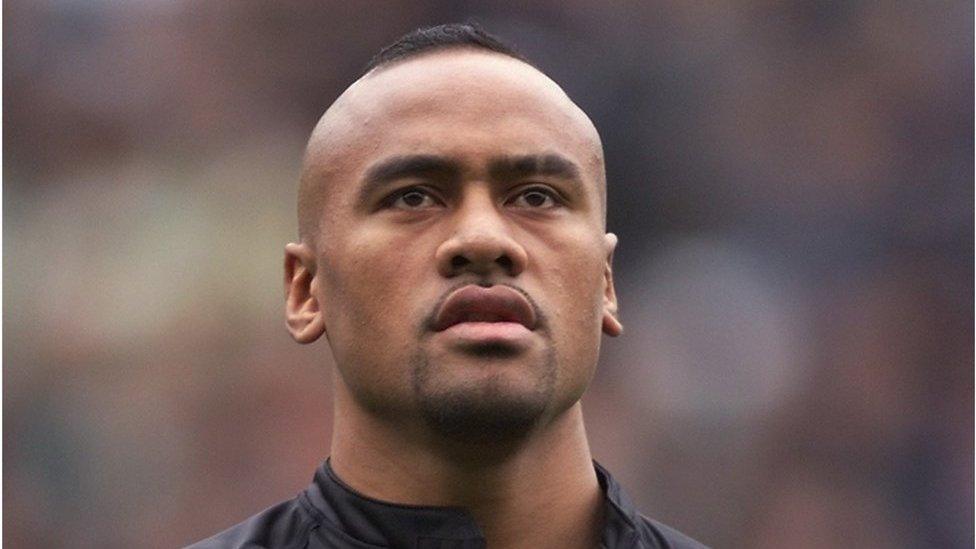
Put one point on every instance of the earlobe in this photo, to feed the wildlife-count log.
(303, 313)
(611, 322)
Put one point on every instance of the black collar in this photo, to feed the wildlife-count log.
(379, 523)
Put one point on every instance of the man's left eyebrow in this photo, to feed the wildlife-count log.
(516, 167)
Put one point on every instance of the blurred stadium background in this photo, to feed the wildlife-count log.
(791, 181)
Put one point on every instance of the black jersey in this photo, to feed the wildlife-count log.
(330, 514)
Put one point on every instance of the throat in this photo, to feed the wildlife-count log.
(540, 491)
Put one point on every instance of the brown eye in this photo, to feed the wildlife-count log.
(413, 199)
(535, 198)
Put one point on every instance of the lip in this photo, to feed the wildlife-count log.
(496, 309)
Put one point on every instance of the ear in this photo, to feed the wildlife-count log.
(611, 323)
(303, 314)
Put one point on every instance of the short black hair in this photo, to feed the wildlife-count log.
(450, 35)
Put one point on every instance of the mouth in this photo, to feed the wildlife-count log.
(496, 317)
(478, 305)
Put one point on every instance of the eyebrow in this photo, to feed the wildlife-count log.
(401, 167)
(516, 167)
(502, 168)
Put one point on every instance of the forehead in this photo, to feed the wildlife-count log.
(460, 103)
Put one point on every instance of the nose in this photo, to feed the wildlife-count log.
(481, 243)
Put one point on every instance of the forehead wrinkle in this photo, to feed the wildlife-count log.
(344, 130)
(460, 74)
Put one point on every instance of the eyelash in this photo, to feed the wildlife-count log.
(545, 191)
(391, 201)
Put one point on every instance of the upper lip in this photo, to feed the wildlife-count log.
(473, 303)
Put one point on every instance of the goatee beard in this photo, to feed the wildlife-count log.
(490, 413)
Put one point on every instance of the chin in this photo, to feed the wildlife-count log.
(487, 398)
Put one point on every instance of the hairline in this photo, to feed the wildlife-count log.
(446, 48)
(312, 236)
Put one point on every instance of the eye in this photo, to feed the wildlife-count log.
(536, 198)
(412, 199)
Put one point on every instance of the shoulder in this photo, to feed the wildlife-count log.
(661, 535)
(627, 527)
(285, 525)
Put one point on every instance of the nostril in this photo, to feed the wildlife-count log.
(505, 262)
(459, 261)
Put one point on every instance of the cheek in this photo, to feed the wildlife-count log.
(368, 270)
(575, 276)
(576, 324)
(370, 288)
(573, 279)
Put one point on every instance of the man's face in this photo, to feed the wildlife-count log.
(461, 270)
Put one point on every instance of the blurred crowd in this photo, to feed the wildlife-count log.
(791, 182)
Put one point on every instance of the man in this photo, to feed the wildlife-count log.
(453, 252)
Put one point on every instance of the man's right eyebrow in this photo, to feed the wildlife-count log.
(406, 166)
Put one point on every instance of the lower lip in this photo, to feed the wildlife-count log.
(488, 332)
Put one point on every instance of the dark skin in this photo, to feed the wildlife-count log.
(455, 168)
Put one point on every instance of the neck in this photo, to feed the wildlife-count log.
(506, 488)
